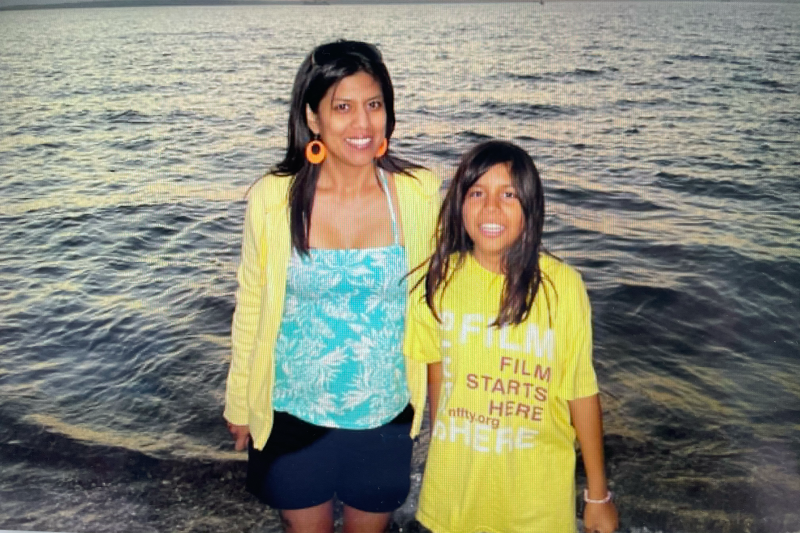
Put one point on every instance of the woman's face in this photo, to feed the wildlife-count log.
(351, 120)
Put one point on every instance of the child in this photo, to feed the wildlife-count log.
(506, 330)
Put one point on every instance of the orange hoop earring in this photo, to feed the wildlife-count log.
(382, 148)
(316, 152)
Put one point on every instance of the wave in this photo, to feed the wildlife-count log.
(715, 188)
(521, 110)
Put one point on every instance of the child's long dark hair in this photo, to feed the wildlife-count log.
(521, 261)
(325, 66)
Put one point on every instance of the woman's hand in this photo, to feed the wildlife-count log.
(241, 434)
(600, 518)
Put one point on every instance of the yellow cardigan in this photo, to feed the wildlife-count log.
(266, 247)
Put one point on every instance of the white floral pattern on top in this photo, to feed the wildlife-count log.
(338, 356)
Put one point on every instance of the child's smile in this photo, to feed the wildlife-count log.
(493, 216)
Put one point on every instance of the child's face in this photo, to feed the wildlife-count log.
(493, 216)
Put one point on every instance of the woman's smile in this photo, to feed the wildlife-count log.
(360, 143)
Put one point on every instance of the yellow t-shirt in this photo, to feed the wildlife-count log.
(502, 452)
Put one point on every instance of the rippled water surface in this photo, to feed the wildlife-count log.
(667, 135)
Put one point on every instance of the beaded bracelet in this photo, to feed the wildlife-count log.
(607, 499)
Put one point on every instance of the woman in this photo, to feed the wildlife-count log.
(318, 389)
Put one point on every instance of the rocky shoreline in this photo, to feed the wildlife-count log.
(50, 482)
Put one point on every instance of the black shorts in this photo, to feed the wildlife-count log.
(303, 465)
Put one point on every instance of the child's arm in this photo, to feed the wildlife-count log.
(587, 418)
(434, 386)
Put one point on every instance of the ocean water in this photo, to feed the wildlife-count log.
(667, 135)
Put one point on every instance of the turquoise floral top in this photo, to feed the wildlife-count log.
(339, 360)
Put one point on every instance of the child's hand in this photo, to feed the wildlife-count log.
(600, 517)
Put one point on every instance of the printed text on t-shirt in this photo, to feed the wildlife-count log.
(517, 388)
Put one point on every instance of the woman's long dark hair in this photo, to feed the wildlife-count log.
(521, 261)
(325, 66)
